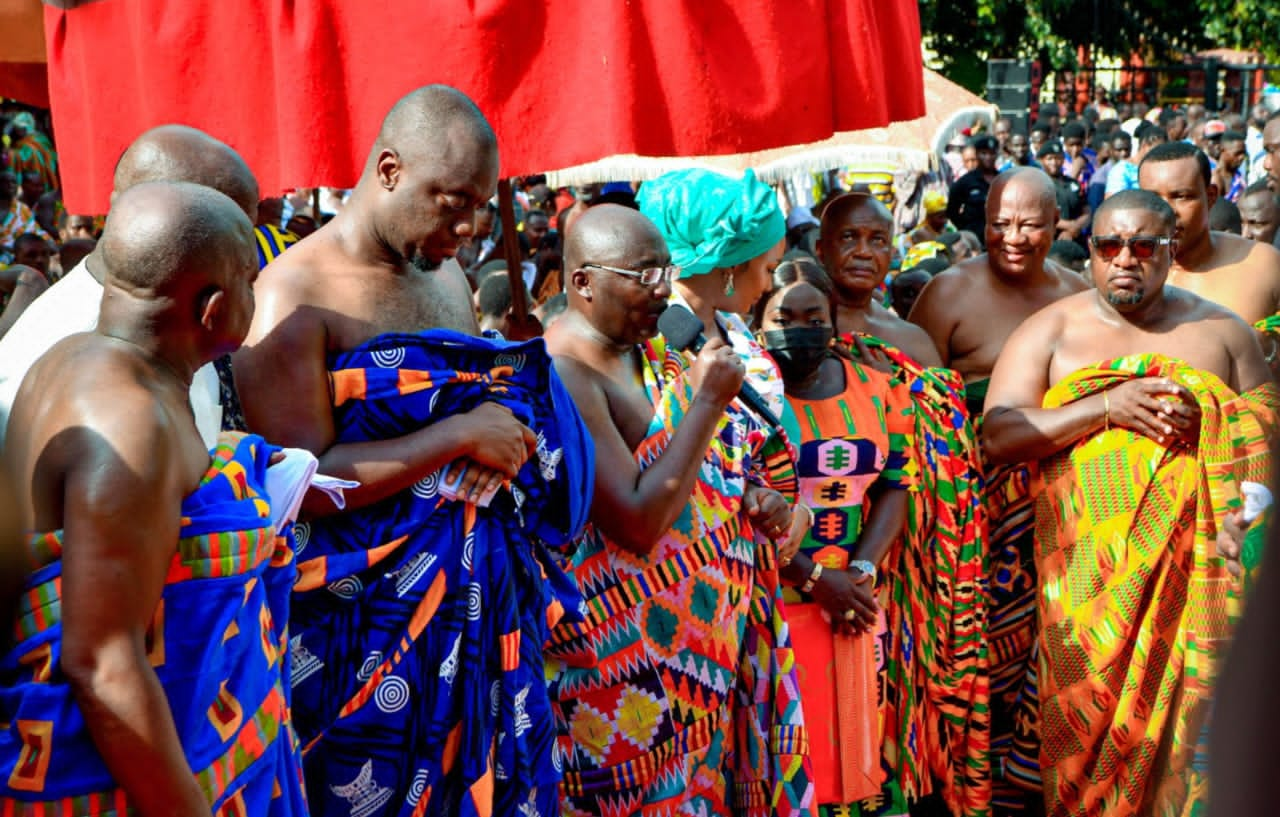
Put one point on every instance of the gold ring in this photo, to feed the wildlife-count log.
(850, 615)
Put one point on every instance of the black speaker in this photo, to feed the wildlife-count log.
(1008, 72)
(1009, 89)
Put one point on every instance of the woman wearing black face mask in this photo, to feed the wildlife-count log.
(854, 422)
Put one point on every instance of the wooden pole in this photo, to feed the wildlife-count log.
(511, 250)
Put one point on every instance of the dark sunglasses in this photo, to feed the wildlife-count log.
(1141, 247)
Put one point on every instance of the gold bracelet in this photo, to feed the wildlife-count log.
(1106, 411)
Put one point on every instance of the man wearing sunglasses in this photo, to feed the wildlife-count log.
(1129, 396)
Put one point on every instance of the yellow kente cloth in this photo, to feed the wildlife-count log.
(1135, 604)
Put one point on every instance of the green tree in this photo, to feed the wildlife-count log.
(964, 34)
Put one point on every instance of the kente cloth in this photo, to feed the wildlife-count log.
(217, 643)
(944, 557)
(1011, 622)
(272, 241)
(848, 444)
(14, 222)
(419, 621)
(1269, 325)
(711, 221)
(677, 693)
(1136, 606)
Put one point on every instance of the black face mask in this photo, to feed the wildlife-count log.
(799, 350)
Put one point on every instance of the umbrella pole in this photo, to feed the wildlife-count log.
(511, 250)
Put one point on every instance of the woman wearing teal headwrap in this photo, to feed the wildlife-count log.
(727, 236)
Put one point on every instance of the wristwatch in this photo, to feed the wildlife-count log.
(864, 567)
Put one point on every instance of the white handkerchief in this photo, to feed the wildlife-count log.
(1257, 498)
(290, 478)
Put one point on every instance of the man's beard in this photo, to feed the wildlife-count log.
(1126, 298)
(424, 264)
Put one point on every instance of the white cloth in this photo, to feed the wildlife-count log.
(289, 479)
(67, 308)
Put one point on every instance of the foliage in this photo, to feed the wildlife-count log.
(963, 34)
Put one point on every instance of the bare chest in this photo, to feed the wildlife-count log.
(1233, 287)
(1086, 343)
(359, 311)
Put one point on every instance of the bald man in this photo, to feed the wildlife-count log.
(1131, 396)
(149, 669)
(1242, 275)
(618, 283)
(970, 311)
(167, 153)
(394, 693)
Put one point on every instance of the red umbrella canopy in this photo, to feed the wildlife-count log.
(299, 88)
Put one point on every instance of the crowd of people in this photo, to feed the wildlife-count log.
(764, 513)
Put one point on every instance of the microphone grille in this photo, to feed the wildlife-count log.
(680, 327)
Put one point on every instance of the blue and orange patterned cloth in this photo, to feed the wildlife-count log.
(677, 694)
(418, 622)
(216, 642)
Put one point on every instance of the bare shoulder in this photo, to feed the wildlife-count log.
(1069, 278)
(1262, 258)
(296, 276)
(959, 277)
(1053, 316)
(908, 337)
(940, 295)
(292, 295)
(85, 397)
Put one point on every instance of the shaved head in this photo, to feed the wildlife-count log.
(177, 153)
(1022, 214)
(163, 236)
(609, 234)
(840, 208)
(436, 122)
(1030, 179)
(615, 304)
(433, 165)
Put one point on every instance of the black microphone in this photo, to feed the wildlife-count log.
(683, 330)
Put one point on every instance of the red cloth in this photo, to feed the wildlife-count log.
(299, 89)
(26, 82)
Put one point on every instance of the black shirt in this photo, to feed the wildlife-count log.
(967, 203)
(1070, 199)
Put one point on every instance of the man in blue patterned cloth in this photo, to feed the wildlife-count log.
(418, 618)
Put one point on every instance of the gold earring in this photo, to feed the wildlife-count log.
(728, 284)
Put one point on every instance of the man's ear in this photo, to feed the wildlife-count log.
(388, 168)
(1212, 193)
(214, 305)
(581, 282)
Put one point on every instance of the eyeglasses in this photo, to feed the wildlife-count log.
(1141, 247)
(650, 277)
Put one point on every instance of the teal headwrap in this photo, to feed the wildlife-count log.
(712, 221)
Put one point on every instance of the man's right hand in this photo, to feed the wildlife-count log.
(849, 603)
(496, 440)
(1145, 406)
(718, 372)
